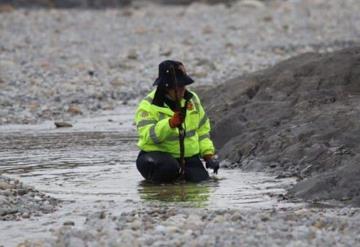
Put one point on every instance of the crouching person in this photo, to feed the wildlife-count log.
(165, 112)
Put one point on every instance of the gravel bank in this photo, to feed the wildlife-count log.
(18, 201)
(57, 64)
(163, 226)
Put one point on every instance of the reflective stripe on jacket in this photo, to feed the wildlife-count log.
(155, 134)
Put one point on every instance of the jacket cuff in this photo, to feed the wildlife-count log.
(208, 156)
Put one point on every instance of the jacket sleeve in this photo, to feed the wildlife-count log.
(203, 131)
(150, 129)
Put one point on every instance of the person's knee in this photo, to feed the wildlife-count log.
(195, 171)
(196, 175)
(158, 167)
(168, 169)
(170, 172)
(143, 165)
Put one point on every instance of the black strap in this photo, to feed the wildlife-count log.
(173, 105)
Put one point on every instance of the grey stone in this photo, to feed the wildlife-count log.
(69, 223)
(63, 125)
(6, 186)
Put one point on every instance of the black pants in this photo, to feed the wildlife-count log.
(163, 168)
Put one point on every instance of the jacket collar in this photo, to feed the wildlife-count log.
(168, 105)
(172, 104)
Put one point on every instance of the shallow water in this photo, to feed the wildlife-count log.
(91, 167)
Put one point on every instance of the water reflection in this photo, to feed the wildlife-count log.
(190, 194)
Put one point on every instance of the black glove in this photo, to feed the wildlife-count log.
(213, 163)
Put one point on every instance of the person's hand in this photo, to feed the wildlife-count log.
(176, 120)
(212, 162)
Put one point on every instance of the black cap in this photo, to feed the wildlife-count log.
(166, 77)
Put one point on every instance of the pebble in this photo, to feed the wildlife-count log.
(6, 186)
(193, 221)
(252, 3)
(132, 54)
(219, 219)
(128, 239)
(26, 215)
(74, 241)
(102, 215)
(236, 216)
(74, 110)
(22, 192)
(63, 125)
(135, 225)
(160, 228)
(69, 223)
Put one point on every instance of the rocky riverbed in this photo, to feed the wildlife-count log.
(164, 226)
(19, 201)
(57, 64)
(62, 64)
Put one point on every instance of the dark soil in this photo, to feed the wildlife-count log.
(299, 118)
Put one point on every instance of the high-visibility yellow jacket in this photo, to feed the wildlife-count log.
(155, 134)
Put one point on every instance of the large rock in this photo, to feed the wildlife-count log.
(298, 118)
